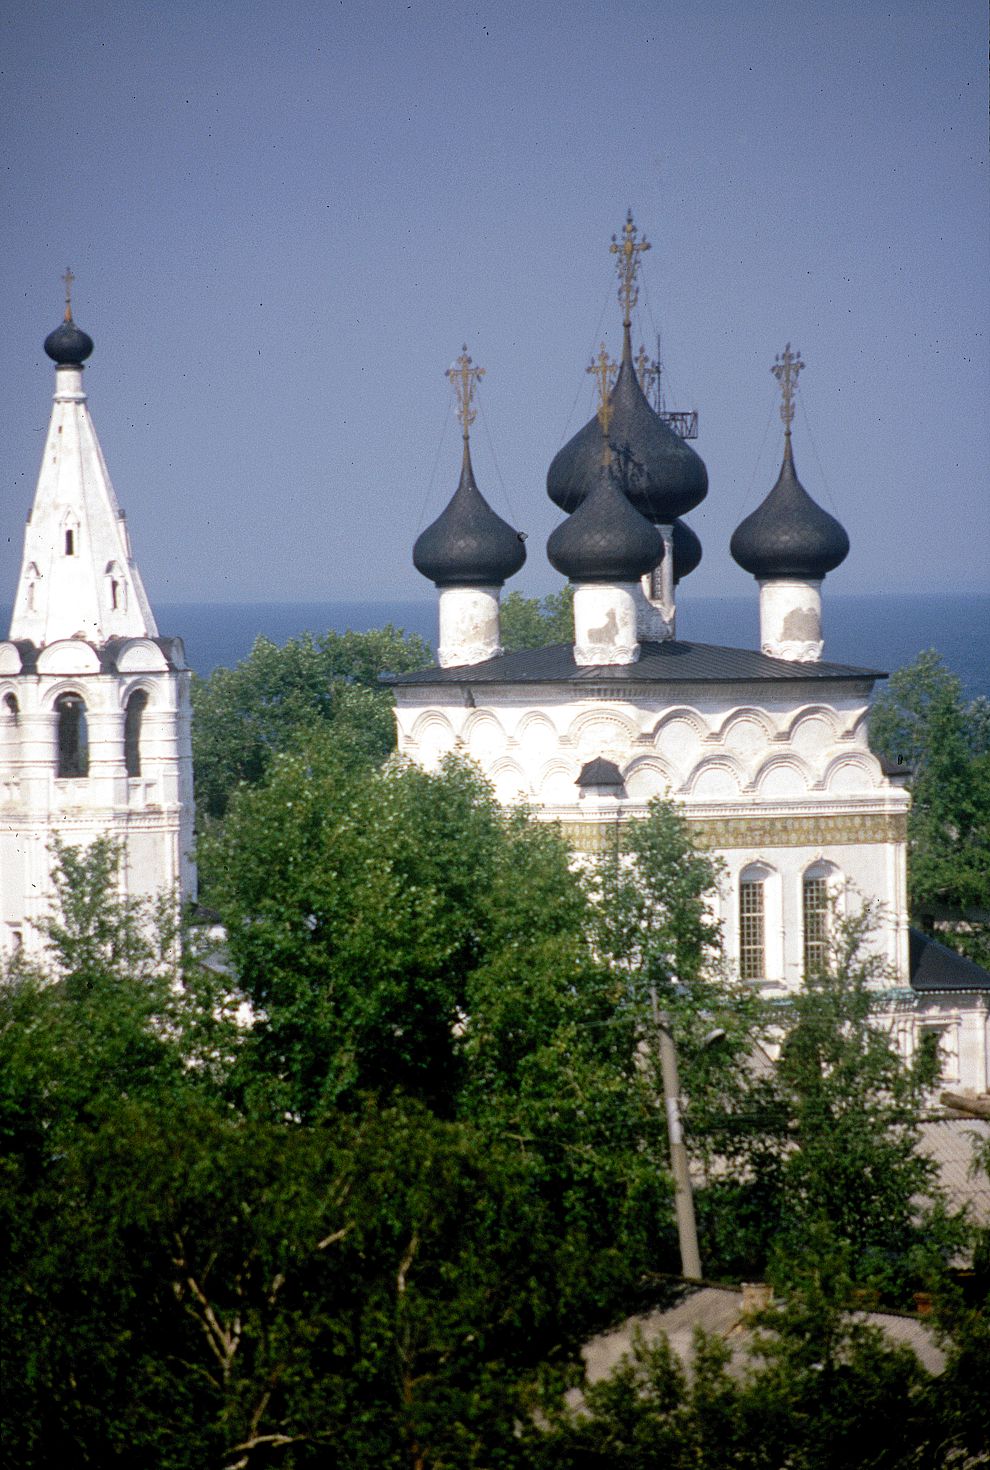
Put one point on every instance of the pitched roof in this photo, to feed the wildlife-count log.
(658, 663)
(935, 967)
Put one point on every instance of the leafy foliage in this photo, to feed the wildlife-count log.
(356, 1227)
(824, 1146)
(533, 622)
(243, 717)
(922, 722)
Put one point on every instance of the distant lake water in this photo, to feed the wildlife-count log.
(873, 632)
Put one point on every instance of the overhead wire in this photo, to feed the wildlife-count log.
(595, 338)
(433, 475)
(814, 445)
(498, 473)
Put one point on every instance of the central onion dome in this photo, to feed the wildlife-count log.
(661, 474)
(468, 545)
(606, 540)
(789, 535)
(67, 345)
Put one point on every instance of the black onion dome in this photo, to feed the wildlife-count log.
(789, 535)
(661, 474)
(606, 539)
(67, 345)
(687, 551)
(468, 545)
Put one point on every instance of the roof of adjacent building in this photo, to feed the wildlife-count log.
(658, 663)
(721, 1311)
(935, 967)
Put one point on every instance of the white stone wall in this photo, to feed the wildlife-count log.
(78, 576)
(771, 776)
(152, 813)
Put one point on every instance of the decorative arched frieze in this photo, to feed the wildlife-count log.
(483, 735)
(141, 656)
(596, 731)
(556, 783)
(783, 776)
(95, 693)
(69, 656)
(745, 730)
(678, 735)
(509, 781)
(648, 777)
(858, 728)
(824, 714)
(537, 734)
(10, 658)
(848, 774)
(715, 778)
(434, 736)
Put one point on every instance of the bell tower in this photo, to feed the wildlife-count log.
(94, 704)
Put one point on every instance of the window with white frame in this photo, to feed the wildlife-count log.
(815, 912)
(752, 929)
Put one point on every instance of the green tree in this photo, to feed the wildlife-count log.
(243, 716)
(825, 1145)
(822, 1390)
(922, 722)
(533, 622)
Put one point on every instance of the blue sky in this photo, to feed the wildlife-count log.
(285, 220)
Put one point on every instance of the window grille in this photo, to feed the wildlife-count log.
(815, 914)
(752, 962)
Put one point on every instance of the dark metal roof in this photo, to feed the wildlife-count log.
(789, 535)
(605, 540)
(662, 476)
(658, 663)
(67, 345)
(600, 772)
(468, 545)
(934, 967)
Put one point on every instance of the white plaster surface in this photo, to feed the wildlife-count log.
(469, 625)
(78, 578)
(606, 622)
(791, 619)
(74, 597)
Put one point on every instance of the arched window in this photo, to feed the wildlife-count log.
(11, 710)
(815, 910)
(136, 707)
(73, 736)
(752, 926)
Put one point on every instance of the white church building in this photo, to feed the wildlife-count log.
(94, 704)
(765, 751)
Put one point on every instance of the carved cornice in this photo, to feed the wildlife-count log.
(841, 830)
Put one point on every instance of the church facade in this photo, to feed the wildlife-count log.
(94, 704)
(765, 751)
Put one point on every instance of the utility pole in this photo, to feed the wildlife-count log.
(687, 1230)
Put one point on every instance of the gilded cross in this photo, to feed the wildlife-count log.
(628, 251)
(604, 370)
(647, 372)
(465, 377)
(68, 278)
(785, 370)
